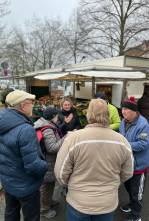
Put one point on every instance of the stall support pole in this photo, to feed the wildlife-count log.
(74, 88)
(49, 88)
(93, 87)
(28, 85)
(124, 93)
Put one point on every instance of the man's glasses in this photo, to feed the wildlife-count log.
(29, 102)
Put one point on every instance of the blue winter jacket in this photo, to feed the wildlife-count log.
(21, 168)
(138, 136)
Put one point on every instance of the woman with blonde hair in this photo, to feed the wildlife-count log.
(96, 114)
(71, 119)
(93, 162)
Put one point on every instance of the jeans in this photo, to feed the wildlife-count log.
(74, 215)
(30, 206)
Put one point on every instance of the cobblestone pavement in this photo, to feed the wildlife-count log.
(118, 215)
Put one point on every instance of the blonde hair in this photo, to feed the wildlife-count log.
(98, 112)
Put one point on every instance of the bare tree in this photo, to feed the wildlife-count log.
(75, 40)
(3, 7)
(3, 11)
(114, 25)
(15, 51)
(38, 47)
(44, 43)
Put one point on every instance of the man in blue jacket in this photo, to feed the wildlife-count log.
(21, 167)
(136, 130)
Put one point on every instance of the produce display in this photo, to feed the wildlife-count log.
(54, 101)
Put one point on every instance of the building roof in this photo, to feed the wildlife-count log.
(141, 50)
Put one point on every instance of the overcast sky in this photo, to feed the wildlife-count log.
(22, 10)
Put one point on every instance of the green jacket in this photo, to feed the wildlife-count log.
(114, 117)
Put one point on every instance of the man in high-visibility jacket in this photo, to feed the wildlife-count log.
(114, 118)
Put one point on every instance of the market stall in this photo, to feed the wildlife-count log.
(107, 72)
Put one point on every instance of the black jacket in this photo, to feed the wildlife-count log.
(73, 124)
(143, 106)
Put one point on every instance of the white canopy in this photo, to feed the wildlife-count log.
(51, 76)
(86, 75)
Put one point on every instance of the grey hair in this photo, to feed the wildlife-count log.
(66, 99)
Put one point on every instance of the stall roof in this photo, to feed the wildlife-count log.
(122, 67)
(87, 75)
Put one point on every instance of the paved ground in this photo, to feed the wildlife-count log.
(118, 215)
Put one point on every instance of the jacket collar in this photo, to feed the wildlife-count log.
(96, 125)
(134, 122)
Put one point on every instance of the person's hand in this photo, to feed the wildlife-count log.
(68, 118)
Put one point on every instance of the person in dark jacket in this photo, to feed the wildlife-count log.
(21, 167)
(135, 128)
(143, 103)
(53, 140)
(71, 119)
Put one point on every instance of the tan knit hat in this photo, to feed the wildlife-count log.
(17, 96)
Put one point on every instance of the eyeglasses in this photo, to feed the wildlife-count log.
(29, 102)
